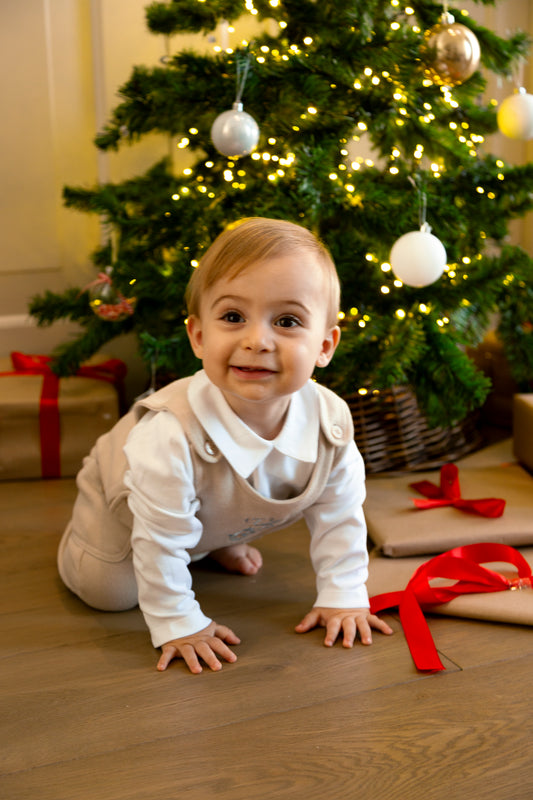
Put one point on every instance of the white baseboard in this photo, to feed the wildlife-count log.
(14, 321)
(20, 332)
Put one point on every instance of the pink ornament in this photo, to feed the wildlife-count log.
(106, 302)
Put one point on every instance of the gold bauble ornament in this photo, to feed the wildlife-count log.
(451, 52)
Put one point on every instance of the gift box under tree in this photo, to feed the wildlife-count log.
(48, 424)
(426, 528)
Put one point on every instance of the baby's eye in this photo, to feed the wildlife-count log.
(232, 316)
(288, 321)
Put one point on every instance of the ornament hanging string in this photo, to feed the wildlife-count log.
(103, 277)
(243, 67)
(518, 73)
(422, 205)
(167, 58)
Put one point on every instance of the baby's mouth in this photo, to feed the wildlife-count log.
(253, 370)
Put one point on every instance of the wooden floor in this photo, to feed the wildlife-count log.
(85, 715)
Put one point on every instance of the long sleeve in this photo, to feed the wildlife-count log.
(164, 505)
(339, 536)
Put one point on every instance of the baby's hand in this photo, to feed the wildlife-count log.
(206, 644)
(347, 620)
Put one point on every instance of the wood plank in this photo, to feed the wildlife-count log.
(85, 714)
(459, 735)
(85, 688)
(36, 505)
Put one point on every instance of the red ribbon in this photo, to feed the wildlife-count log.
(462, 564)
(103, 277)
(449, 494)
(113, 370)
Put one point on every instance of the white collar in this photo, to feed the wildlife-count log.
(238, 443)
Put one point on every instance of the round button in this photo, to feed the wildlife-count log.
(337, 432)
(210, 448)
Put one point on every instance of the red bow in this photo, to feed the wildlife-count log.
(449, 494)
(112, 371)
(462, 564)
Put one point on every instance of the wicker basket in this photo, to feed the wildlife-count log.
(392, 433)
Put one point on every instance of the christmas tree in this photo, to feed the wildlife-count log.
(320, 80)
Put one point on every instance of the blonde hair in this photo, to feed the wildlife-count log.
(258, 239)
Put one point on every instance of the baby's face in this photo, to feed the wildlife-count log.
(261, 334)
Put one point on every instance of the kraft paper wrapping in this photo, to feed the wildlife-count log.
(523, 429)
(391, 574)
(87, 407)
(397, 528)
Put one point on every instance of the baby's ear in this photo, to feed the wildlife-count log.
(194, 332)
(329, 345)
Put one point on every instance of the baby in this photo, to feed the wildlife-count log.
(247, 445)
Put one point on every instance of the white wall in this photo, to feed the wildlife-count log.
(61, 63)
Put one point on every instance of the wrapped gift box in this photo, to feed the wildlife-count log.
(47, 436)
(393, 574)
(400, 529)
(523, 429)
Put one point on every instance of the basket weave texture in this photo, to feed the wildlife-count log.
(392, 434)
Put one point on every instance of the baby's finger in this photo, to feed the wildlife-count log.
(309, 622)
(333, 628)
(380, 625)
(350, 629)
(226, 634)
(168, 653)
(221, 649)
(365, 633)
(206, 652)
(188, 654)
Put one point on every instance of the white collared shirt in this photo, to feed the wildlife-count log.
(277, 468)
(164, 503)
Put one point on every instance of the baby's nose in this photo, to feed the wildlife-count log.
(258, 336)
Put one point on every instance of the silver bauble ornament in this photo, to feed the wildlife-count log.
(235, 133)
(515, 115)
(418, 258)
(451, 52)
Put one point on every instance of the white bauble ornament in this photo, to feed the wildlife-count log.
(418, 258)
(451, 52)
(235, 133)
(515, 115)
